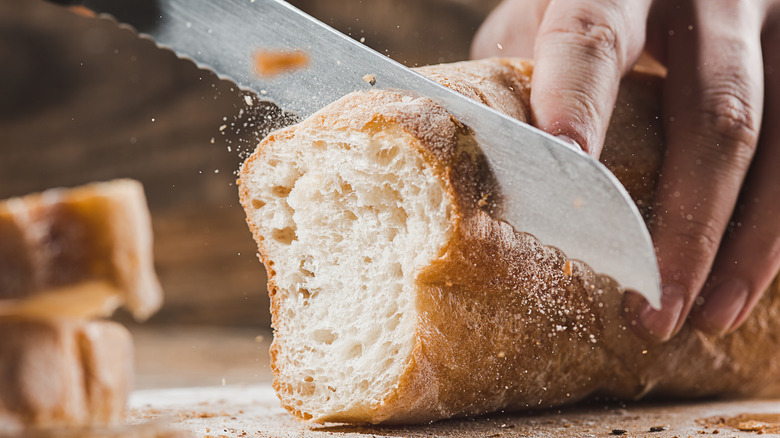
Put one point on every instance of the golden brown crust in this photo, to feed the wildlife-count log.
(507, 323)
(63, 374)
(77, 253)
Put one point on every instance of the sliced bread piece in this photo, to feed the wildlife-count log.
(63, 374)
(78, 253)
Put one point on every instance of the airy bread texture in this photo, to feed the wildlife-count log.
(397, 298)
(78, 253)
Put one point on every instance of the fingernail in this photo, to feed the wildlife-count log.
(723, 305)
(661, 324)
(569, 140)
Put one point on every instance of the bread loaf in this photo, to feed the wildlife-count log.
(78, 253)
(68, 256)
(397, 298)
(63, 373)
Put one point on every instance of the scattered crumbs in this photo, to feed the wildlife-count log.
(274, 62)
(263, 91)
(363, 39)
(152, 119)
(645, 352)
(216, 170)
(248, 100)
(760, 423)
(500, 47)
(501, 354)
(618, 432)
(212, 140)
(259, 338)
(751, 426)
(371, 79)
(657, 428)
(222, 128)
(193, 414)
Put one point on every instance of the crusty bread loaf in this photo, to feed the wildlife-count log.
(78, 253)
(63, 373)
(68, 256)
(397, 298)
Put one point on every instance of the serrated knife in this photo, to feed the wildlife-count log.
(559, 194)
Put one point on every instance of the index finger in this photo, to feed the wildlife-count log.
(582, 50)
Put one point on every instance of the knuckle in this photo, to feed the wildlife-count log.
(598, 35)
(697, 238)
(730, 117)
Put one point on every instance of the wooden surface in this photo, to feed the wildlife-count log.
(253, 411)
(83, 100)
(181, 372)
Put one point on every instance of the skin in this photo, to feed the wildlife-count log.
(715, 221)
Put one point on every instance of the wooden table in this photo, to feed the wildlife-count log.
(215, 382)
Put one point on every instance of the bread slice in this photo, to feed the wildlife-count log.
(397, 298)
(63, 373)
(77, 253)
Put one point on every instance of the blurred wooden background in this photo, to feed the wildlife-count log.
(83, 100)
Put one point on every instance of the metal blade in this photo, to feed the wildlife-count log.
(551, 190)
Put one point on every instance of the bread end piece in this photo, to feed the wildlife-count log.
(63, 374)
(78, 253)
(349, 204)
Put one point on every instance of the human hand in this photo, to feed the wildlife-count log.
(716, 222)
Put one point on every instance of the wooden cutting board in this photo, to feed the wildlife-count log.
(216, 382)
(254, 411)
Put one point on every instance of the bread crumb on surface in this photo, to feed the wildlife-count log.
(751, 426)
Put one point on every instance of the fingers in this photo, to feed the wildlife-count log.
(510, 30)
(582, 50)
(713, 100)
(749, 256)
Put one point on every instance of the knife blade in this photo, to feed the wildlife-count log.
(550, 189)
